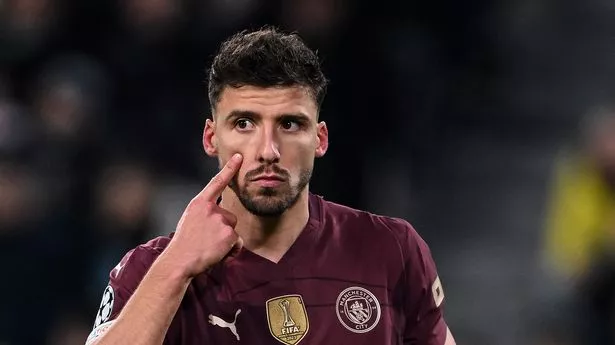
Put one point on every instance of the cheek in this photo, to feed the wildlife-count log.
(232, 144)
(300, 155)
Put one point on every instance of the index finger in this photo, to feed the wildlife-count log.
(214, 188)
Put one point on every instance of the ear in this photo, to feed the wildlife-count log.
(209, 138)
(322, 139)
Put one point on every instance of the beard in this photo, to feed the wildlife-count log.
(270, 201)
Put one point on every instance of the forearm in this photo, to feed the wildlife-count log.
(449, 338)
(146, 317)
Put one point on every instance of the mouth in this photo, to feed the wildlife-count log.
(268, 180)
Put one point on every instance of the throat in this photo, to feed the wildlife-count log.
(275, 256)
(271, 244)
(271, 239)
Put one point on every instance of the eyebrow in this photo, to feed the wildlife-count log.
(237, 114)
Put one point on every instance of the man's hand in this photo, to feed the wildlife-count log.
(206, 232)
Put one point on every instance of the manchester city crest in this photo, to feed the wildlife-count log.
(358, 309)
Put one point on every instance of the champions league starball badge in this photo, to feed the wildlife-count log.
(106, 306)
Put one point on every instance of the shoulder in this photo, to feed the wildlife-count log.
(339, 213)
(374, 227)
(138, 260)
(150, 250)
(126, 276)
(571, 167)
(156, 245)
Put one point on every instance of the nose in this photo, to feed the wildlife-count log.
(269, 151)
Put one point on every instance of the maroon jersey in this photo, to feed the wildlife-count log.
(351, 277)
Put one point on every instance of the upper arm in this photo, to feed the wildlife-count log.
(423, 293)
(123, 281)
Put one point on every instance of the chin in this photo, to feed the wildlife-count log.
(268, 202)
(266, 208)
(273, 192)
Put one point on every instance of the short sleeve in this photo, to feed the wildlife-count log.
(123, 281)
(424, 297)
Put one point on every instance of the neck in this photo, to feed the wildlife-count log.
(269, 237)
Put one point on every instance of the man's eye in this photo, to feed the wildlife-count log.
(290, 125)
(243, 124)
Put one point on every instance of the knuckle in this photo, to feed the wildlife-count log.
(229, 218)
(218, 218)
(209, 207)
(229, 233)
(225, 218)
(216, 181)
(196, 201)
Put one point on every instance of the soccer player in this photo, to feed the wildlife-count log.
(256, 258)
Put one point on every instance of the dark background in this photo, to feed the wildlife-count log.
(446, 113)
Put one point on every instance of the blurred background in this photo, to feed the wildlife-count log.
(487, 124)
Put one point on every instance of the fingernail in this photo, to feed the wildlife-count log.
(236, 157)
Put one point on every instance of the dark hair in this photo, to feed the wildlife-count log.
(265, 58)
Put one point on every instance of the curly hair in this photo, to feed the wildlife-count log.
(266, 58)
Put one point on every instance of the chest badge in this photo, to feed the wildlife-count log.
(358, 309)
(287, 318)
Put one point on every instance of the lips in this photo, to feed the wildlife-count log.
(268, 178)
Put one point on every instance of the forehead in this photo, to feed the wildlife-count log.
(267, 100)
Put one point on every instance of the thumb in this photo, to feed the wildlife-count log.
(237, 247)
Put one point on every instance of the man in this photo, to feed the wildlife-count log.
(579, 237)
(272, 263)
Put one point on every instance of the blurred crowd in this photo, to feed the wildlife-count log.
(102, 106)
(435, 110)
(579, 244)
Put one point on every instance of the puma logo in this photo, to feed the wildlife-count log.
(216, 321)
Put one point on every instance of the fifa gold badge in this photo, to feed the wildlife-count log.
(287, 318)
